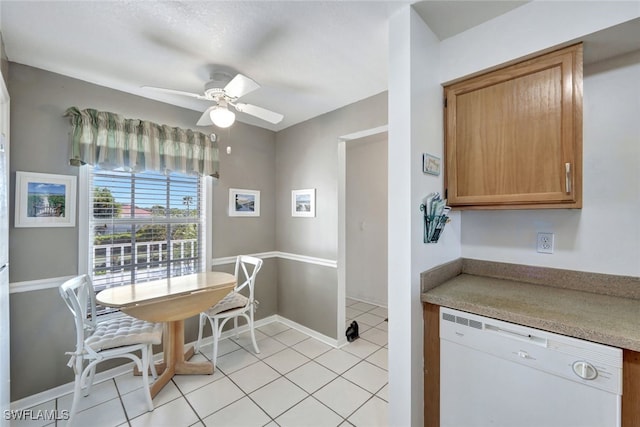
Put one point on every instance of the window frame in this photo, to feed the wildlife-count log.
(85, 234)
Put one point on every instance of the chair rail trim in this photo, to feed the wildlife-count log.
(54, 282)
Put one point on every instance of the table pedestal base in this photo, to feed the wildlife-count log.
(176, 359)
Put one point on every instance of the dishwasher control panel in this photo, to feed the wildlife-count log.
(585, 370)
(592, 364)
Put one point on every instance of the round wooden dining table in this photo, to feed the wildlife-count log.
(171, 301)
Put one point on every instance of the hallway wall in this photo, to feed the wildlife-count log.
(366, 219)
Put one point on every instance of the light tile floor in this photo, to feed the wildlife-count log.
(296, 381)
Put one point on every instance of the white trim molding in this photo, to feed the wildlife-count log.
(284, 255)
(54, 282)
(232, 259)
(364, 133)
(314, 334)
(36, 285)
(309, 259)
(270, 319)
(84, 248)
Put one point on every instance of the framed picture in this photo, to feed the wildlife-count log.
(303, 202)
(45, 200)
(244, 202)
(430, 164)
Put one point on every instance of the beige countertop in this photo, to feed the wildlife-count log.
(606, 319)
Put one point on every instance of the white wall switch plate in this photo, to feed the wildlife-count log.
(545, 243)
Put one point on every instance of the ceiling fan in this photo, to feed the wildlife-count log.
(225, 91)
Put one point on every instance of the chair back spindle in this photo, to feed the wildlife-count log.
(118, 337)
(234, 305)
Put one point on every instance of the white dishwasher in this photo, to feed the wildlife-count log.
(498, 374)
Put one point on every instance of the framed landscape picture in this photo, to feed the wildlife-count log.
(244, 202)
(303, 202)
(45, 200)
(430, 164)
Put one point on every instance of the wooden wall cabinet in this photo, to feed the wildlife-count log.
(513, 136)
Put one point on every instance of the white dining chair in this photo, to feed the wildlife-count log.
(97, 341)
(233, 305)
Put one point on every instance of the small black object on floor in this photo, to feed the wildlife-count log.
(352, 332)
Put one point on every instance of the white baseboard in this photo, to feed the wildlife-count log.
(277, 318)
(379, 304)
(53, 393)
(313, 334)
(56, 392)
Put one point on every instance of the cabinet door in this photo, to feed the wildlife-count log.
(513, 137)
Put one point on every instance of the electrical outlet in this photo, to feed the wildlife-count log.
(545, 243)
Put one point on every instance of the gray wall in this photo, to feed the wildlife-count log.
(40, 323)
(307, 157)
(250, 166)
(307, 295)
(303, 156)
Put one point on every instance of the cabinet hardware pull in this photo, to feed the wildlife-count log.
(567, 170)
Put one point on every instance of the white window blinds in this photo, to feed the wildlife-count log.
(143, 226)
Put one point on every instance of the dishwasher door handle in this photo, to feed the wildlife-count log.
(520, 336)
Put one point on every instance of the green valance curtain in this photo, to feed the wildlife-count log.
(110, 141)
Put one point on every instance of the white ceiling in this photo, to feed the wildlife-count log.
(447, 18)
(310, 57)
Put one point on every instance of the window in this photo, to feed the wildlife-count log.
(143, 226)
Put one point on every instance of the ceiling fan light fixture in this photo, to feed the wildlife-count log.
(222, 117)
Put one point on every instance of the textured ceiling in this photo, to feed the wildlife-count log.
(309, 57)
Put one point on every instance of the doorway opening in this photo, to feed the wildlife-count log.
(362, 220)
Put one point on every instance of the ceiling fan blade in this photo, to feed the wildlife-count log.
(175, 92)
(205, 119)
(259, 112)
(239, 86)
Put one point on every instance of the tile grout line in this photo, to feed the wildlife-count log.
(124, 409)
(286, 410)
(187, 400)
(272, 419)
(285, 377)
(306, 394)
(346, 379)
